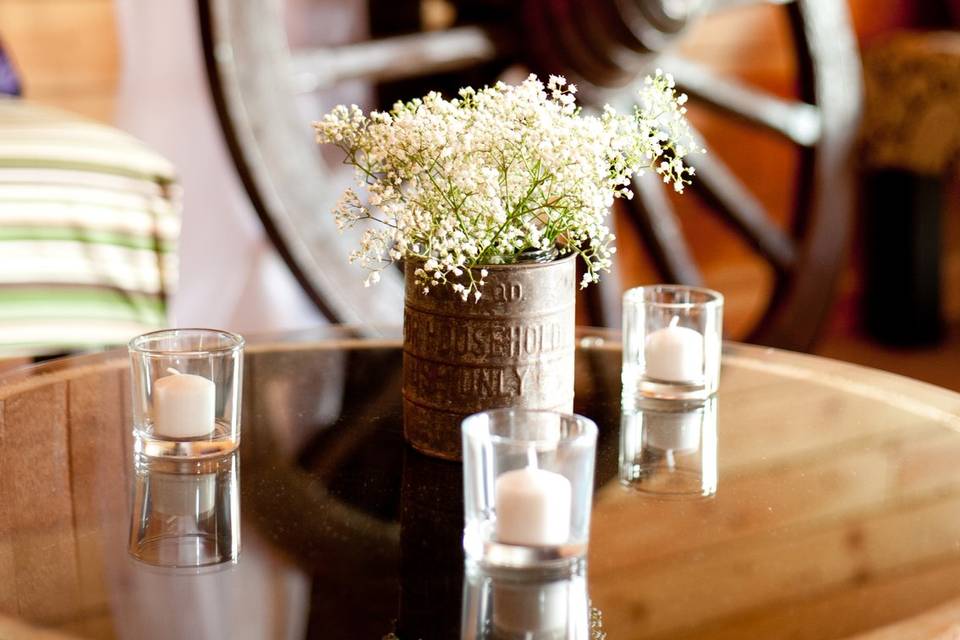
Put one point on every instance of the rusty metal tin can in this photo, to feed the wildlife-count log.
(512, 348)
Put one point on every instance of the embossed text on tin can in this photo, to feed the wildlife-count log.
(512, 348)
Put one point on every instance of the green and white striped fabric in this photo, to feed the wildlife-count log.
(89, 220)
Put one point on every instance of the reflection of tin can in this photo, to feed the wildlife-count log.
(514, 347)
(431, 535)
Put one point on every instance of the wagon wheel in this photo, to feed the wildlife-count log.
(258, 77)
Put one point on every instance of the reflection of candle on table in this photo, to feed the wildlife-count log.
(533, 506)
(183, 494)
(183, 406)
(678, 431)
(674, 354)
(531, 608)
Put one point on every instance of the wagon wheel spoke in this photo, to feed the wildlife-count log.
(724, 191)
(657, 223)
(604, 299)
(797, 121)
(397, 57)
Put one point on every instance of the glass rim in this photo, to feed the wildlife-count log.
(233, 342)
(638, 295)
(588, 427)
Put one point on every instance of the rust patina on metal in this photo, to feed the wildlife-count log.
(512, 348)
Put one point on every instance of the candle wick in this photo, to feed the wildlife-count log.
(532, 457)
(674, 321)
(173, 371)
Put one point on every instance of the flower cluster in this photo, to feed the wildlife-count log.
(485, 177)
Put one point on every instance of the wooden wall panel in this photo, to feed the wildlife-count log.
(66, 51)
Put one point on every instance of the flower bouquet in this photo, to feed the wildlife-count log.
(487, 198)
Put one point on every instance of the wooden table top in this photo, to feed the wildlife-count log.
(836, 510)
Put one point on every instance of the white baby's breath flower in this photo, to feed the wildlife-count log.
(457, 184)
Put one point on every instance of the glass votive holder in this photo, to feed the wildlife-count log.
(669, 449)
(186, 515)
(187, 386)
(672, 337)
(523, 607)
(528, 487)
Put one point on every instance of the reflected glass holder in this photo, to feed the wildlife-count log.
(669, 450)
(522, 606)
(186, 515)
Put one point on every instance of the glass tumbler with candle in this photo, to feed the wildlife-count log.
(186, 386)
(528, 486)
(672, 337)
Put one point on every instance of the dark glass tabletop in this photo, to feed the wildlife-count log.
(812, 499)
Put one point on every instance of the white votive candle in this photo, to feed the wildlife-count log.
(674, 354)
(533, 506)
(183, 406)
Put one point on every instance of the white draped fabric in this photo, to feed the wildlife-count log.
(231, 277)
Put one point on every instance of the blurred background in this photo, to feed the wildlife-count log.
(892, 295)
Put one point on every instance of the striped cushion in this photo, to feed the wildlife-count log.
(89, 219)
